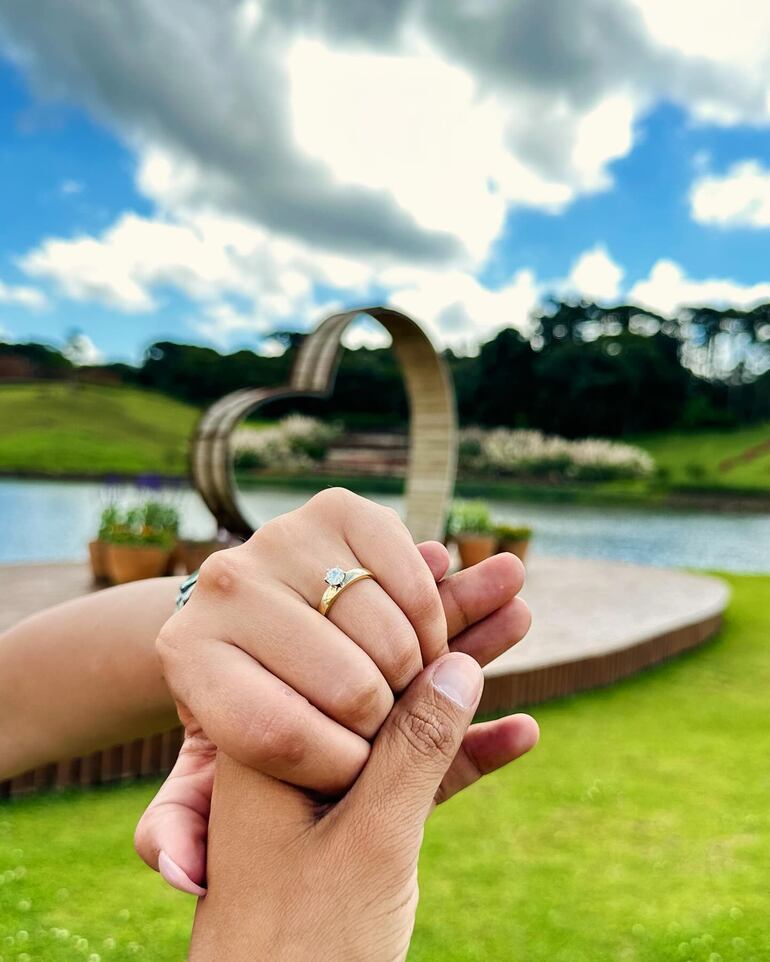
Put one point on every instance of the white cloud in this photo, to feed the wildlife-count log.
(604, 133)
(22, 296)
(454, 141)
(81, 350)
(210, 258)
(668, 288)
(460, 311)
(401, 130)
(364, 146)
(69, 187)
(725, 33)
(594, 276)
(739, 198)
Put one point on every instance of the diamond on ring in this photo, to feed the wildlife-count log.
(339, 580)
(334, 577)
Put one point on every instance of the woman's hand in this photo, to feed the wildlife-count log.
(271, 681)
(291, 881)
(297, 742)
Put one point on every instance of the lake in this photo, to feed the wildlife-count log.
(54, 520)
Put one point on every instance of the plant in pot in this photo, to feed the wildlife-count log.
(470, 526)
(512, 538)
(97, 549)
(192, 553)
(165, 517)
(140, 541)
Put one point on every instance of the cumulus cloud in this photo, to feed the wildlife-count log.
(289, 147)
(82, 351)
(667, 288)
(22, 296)
(594, 276)
(739, 198)
(457, 309)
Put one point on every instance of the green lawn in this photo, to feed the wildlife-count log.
(638, 831)
(693, 458)
(61, 429)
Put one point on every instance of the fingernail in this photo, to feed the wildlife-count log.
(176, 877)
(459, 679)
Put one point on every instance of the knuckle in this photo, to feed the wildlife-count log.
(219, 572)
(278, 743)
(404, 662)
(391, 515)
(428, 731)
(363, 707)
(334, 499)
(424, 602)
(270, 531)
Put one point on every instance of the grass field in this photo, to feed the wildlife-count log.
(638, 831)
(693, 459)
(62, 429)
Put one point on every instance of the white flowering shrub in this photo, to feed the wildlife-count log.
(296, 442)
(526, 453)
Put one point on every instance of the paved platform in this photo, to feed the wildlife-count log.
(593, 621)
(29, 588)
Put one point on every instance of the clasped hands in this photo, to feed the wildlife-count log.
(332, 737)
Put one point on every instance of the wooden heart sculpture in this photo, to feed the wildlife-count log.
(432, 421)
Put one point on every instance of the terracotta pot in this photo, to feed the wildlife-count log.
(175, 560)
(475, 547)
(192, 554)
(127, 562)
(97, 551)
(518, 547)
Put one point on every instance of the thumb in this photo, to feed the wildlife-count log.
(171, 834)
(415, 747)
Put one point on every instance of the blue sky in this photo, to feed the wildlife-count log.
(177, 195)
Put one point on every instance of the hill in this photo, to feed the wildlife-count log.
(63, 429)
(731, 459)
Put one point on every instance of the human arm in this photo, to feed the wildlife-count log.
(84, 675)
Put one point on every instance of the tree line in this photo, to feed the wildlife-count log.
(579, 369)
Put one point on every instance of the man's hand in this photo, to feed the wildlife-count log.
(484, 617)
(290, 882)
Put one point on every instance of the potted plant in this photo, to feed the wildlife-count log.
(470, 526)
(164, 517)
(97, 549)
(512, 538)
(140, 541)
(192, 553)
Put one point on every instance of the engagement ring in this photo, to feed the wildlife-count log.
(337, 581)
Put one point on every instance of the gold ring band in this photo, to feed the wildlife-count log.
(337, 581)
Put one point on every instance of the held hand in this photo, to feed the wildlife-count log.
(357, 859)
(484, 619)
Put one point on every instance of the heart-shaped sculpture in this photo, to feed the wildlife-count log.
(432, 421)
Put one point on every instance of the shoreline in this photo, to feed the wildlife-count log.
(728, 500)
